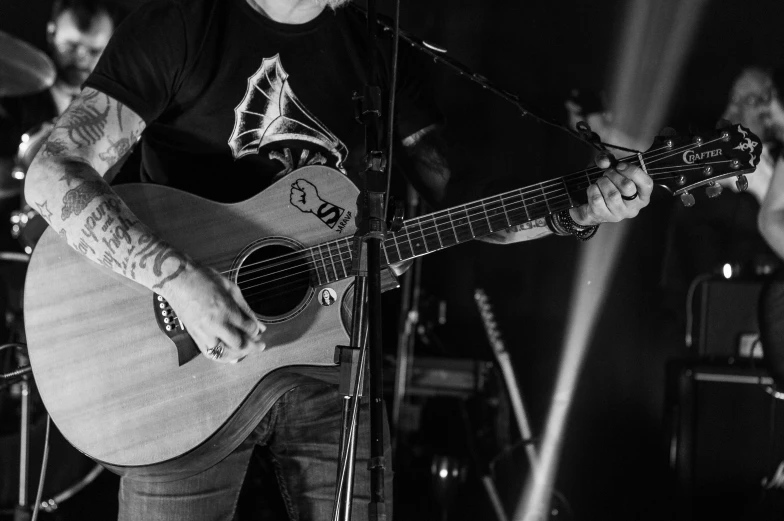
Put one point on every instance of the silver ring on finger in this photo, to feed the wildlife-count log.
(630, 197)
(216, 352)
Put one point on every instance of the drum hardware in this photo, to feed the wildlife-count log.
(70, 471)
(23, 68)
(19, 226)
(23, 374)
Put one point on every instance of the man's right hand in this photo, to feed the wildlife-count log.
(214, 311)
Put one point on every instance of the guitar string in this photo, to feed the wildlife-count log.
(334, 248)
(312, 263)
(667, 152)
(301, 257)
(579, 174)
(306, 265)
(500, 197)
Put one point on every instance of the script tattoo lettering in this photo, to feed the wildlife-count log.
(161, 252)
(115, 240)
(84, 248)
(86, 124)
(97, 215)
(77, 199)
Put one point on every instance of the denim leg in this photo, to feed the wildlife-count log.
(210, 495)
(304, 448)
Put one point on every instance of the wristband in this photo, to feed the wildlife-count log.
(564, 221)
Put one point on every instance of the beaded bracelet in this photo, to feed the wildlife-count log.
(555, 226)
(564, 221)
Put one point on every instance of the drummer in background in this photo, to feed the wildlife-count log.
(76, 35)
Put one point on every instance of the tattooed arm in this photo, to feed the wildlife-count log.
(426, 150)
(65, 184)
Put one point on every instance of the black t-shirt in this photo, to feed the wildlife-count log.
(233, 99)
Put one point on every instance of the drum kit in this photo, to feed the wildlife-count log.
(26, 70)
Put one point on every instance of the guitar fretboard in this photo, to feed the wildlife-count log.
(332, 261)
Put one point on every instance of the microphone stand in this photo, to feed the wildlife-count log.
(367, 304)
(21, 374)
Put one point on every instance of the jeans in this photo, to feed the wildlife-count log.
(302, 432)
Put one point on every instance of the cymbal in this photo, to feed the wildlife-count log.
(23, 68)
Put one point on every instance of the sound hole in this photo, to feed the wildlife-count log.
(275, 280)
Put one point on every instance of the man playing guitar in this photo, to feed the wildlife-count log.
(231, 96)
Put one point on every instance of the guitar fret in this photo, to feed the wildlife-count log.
(405, 247)
(331, 261)
(451, 222)
(384, 249)
(461, 223)
(418, 244)
(525, 207)
(324, 263)
(478, 220)
(315, 266)
(496, 214)
(410, 242)
(397, 246)
(544, 195)
(342, 264)
(437, 233)
(506, 214)
(350, 253)
(568, 194)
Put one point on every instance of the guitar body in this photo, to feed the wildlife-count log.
(109, 376)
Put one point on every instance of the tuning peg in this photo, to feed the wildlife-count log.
(742, 183)
(723, 123)
(713, 190)
(687, 199)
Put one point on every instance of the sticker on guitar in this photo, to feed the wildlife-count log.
(305, 196)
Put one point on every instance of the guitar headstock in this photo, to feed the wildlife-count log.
(682, 163)
(488, 320)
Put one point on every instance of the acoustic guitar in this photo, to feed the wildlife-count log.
(122, 379)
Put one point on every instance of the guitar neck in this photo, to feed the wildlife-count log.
(433, 232)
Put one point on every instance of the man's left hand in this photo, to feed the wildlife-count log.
(612, 197)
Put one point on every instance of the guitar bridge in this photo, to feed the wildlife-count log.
(173, 328)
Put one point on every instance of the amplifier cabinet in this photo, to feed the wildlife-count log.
(725, 453)
(726, 317)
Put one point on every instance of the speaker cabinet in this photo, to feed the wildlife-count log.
(726, 318)
(725, 455)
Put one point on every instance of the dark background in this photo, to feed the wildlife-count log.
(614, 462)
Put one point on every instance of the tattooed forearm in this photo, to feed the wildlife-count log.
(65, 185)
